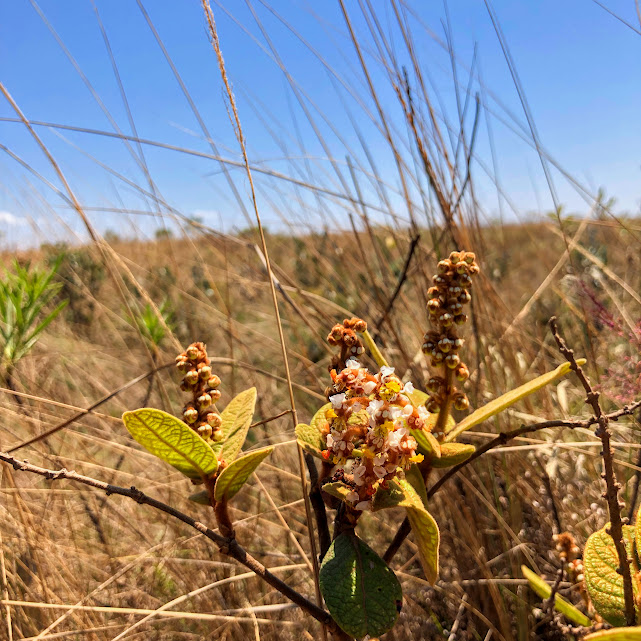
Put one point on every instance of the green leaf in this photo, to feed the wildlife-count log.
(562, 605)
(319, 421)
(234, 476)
(616, 634)
(604, 584)
(400, 493)
(202, 497)
(418, 397)
(237, 417)
(415, 479)
(453, 454)
(506, 400)
(310, 439)
(337, 489)
(427, 443)
(361, 592)
(173, 441)
(373, 348)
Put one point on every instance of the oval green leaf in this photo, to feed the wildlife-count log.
(202, 497)
(234, 476)
(415, 479)
(453, 454)
(361, 592)
(310, 439)
(171, 440)
(544, 590)
(319, 420)
(506, 400)
(337, 489)
(604, 583)
(237, 417)
(400, 493)
(617, 634)
(427, 443)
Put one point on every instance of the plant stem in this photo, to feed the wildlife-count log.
(444, 411)
(611, 493)
(227, 546)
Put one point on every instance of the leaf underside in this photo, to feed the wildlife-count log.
(237, 417)
(453, 454)
(506, 400)
(604, 583)
(400, 493)
(361, 592)
(310, 439)
(544, 590)
(171, 440)
(235, 475)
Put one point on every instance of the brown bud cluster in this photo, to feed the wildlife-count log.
(346, 337)
(569, 553)
(446, 303)
(200, 413)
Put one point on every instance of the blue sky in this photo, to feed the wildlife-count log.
(578, 65)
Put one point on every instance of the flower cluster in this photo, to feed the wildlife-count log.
(368, 430)
(569, 553)
(447, 299)
(345, 337)
(200, 413)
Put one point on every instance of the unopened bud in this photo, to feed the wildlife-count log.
(204, 372)
(446, 319)
(204, 400)
(461, 269)
(443, 266)
(191, 377)
(214, 419)
(455, 257)
(217, 435)
(181, 363)
(192, 352)
(461, 403)
(215, 394)
(433, 406)
(445, 345)
(360, 325)
(469, 257)
(213, 381)
(452, 360)
(204, 431)
(190, 415)
(461, 319)
(462, 372)
(434, 384)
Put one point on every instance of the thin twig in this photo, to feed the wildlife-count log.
(228, 546)
(612, 486)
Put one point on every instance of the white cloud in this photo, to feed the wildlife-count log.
(10, 219)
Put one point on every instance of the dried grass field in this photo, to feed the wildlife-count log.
(79, 564)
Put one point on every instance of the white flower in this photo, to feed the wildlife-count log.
(380, 459)
(408, 409)
(330, 440)
(369, 387)
(395, 437)
(408, 388)
(379, 471)
(352, 363)
(374, 406)
(423, 413)
(352, 496)
(358, 472)
(337, 400)
(363, 506)
(386, 372)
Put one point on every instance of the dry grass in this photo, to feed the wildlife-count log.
(79, 565)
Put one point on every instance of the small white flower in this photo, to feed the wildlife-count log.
(408, 388)
(379, 471)
(380, 459)
(369, 387)
(408, 409)
(386, 371)
(337, 400)
(352, 363)
(363, 506)
(352, 496)
(358, 472)
(374, 406)
(330, 440)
